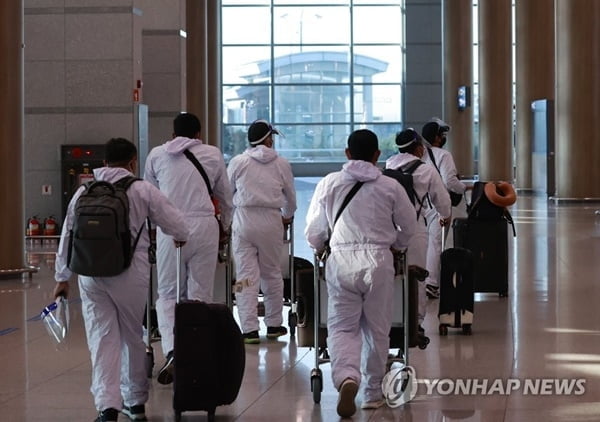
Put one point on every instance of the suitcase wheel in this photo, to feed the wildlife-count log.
(316, 384)
(443, 330)
(503, 294)
(466, 329)
(292, 322)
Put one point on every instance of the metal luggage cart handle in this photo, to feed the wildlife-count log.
(401, 273)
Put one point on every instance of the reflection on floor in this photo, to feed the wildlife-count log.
(547, 329)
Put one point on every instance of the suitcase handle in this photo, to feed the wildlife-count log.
(443, 238)
(178, 272)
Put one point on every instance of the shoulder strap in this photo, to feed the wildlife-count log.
(126, 181)
(411, 166)
(430, 151)
(345, 202)
(347, 199)
(197, 164)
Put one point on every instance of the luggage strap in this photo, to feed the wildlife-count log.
(197, 164)
(345, 203)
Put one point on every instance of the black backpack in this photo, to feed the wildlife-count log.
(100, 242)
(404, 175)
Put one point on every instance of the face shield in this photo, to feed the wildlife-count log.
(55, 318)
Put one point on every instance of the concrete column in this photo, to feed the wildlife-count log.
(423, 79)
(11, 135)
(203, 57)
(195, 18)
(457, 21)
(495, 90)
(163, 58)
(535, 75)
(577, 104)
(213, 76)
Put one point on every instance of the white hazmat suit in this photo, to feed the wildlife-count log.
(360, 269)
(430, 189)
(175, 175)
(263, 194)
(113, 307)
(447, 170)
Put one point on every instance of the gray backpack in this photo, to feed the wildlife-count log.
(100, 242)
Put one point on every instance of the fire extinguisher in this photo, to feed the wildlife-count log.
(33, 227)
(50, 226)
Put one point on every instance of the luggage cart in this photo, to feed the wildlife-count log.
(321, 354)
(229, 274)
(224, 275)
(151, 331)
(400, 319)
(288, 239)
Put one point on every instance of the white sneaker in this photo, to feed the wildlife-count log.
(433, 292)
(346, 406)
(372, 404)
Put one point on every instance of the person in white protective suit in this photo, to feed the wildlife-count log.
(430, 193)
(113, 307)
(360, 267)
(264, 200)
(168, 168)
(435, 132)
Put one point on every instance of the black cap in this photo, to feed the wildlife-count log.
(433, 128)
(259, 130)
(407, 137)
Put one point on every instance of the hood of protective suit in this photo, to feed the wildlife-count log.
(361, 171)
(262, 153)
(180, 143)
(110, 174)
(399, 159)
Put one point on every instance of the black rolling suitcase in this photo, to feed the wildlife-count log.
(488, 241)
(485, 234)
(456, 305)
(209, 356)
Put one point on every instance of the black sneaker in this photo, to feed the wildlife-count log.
(165, 375)
(433, 292)
(107, 415)
(251, 337)
(135, 413)
(274, 332)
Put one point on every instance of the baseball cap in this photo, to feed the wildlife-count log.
(407, 137)
(435, 126)
(259, 130)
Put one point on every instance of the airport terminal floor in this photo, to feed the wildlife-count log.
(532, 356)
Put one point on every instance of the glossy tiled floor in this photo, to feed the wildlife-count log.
(548, 328)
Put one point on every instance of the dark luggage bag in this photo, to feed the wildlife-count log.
(301, 265)
(456, 290)
(305, 298)
(488, 241)
(209, 357)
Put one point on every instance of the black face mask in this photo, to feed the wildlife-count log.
(442, 141)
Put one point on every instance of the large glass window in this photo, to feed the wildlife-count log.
(316, 69)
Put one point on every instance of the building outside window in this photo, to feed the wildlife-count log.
(316, 69)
